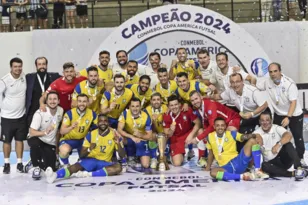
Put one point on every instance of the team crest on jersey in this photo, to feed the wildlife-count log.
(110, 142)
(184, 118)
(226, 140)
(283, 89)
(124, 101)
(64, 119)
(209, 112)
(246, 99)
(87, 121)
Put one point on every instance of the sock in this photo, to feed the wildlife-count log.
(19, 160)
(6, 160)
(201, 153)
(226, 176)
(63, 173)
(63, 159)
(190, 147)
(100, 173)
(256, 154)
(130, 148)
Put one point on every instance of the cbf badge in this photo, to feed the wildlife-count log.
(87, 121)
(226, 140)
(184, 118)
(110, 142)
(124, 101)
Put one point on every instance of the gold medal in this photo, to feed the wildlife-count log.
(174, 123)
(277, 102)
(219, 157)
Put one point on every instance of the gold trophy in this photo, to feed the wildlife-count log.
(162, 161)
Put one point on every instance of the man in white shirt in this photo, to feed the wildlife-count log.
(278, 152)
(282, 95)
(152, 71)
(207, 67)
(13, 120)
(247, 99)
(44, 135)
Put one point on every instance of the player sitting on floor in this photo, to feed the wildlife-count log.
(96, 155)
(232, 165)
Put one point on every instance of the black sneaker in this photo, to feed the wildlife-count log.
(7, 168)
(20, 168)
(36, 175)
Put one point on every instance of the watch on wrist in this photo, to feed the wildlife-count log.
(280, 144)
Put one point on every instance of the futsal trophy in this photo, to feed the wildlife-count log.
(162, 161)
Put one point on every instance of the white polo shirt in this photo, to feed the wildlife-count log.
(270, 139)
(13, 96)
(116, 69)
(280, 96)
(42, 120)
(207, 73)
(249, 101)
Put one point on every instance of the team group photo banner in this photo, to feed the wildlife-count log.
(166, 28)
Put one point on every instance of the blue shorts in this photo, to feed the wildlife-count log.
(91, 164)
(140, 149)
(239, 164)
(113, 122)
(75, 144)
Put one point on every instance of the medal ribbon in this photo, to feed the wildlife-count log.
(221, 144)
(42, 85)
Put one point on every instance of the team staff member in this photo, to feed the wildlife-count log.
(282, 93)
(13, 88)
(37, 84)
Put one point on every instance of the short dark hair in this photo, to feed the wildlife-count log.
(219, 119)
(267, 112)
(120, 51)
(68, 65)
(182, 74)
(172, 98)
(222, 54)
(275, 63)
(15, 60)
(52, 92)
(156, 94)
(134, 99)
(236, 74)
(181, 48)
(203, 51)
(162, 70)
(39, 58)
(82, 95)
(102, 115)
(154, 54)
(118, 76)
(104, 52)
(193, 92)
(92, 68)
(145, 77)
(133, 61)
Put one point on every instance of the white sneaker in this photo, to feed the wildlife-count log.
(303, 164)
(261, 175)
(153, 163)
(50, 175)
(83, 174)
(202, 162)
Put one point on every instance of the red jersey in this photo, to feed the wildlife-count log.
(65, 90)
(184, 122)
(209, 111)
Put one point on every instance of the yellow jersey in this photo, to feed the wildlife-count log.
(105, 75)
(85, 122)
(143, 123)
(130, 81)
(105, 145)
(188, 68)
(165, 93)
(145, 99)
(228, 143)
(193, 85)
(158, 123)
(95, 93)
(122, 101)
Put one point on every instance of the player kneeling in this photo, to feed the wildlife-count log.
(96, 155)
(222, 147)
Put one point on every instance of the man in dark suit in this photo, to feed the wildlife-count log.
(37, 83)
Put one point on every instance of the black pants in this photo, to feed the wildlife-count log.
(302, 4)
(296, 126)
(42, 155)
(278, 167)
(58, 12)
(246, 127)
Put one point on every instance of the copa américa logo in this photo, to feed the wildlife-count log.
(259, 67)
(140, 54)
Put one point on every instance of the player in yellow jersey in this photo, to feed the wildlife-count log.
(165, 86)
(96, 154)
(156, 111)
(142, 91)
(232, 165)
(113, 103)
(91, 88)
(136, 126)
(104, 72)
(131, 75)
(76, 123)
(182, 64)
